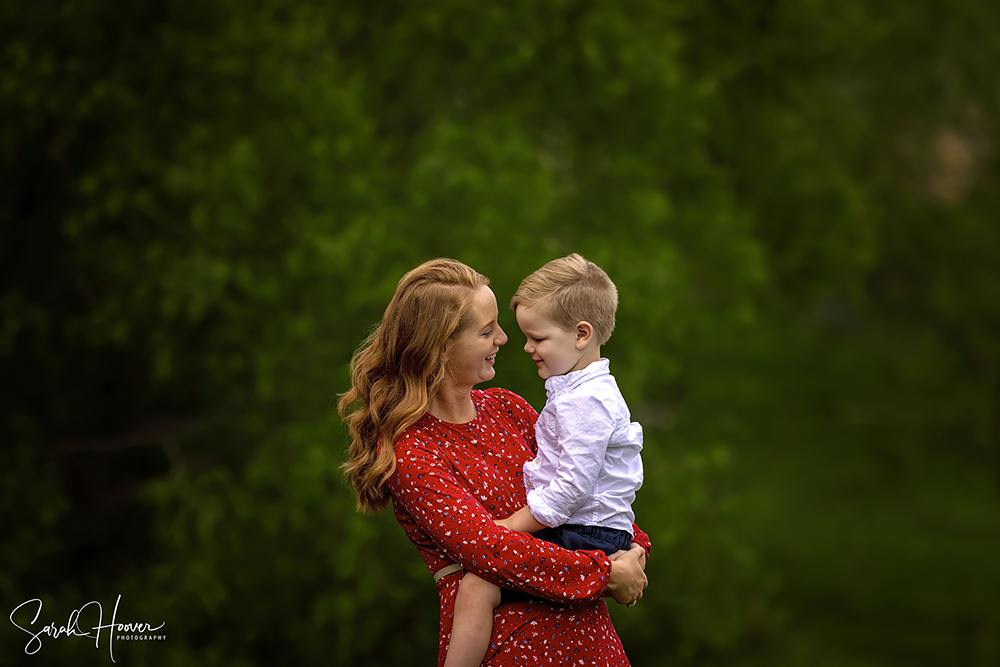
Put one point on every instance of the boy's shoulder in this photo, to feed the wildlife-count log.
(595, 379)
(598, 391)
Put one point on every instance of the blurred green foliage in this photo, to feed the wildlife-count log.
(205, 207)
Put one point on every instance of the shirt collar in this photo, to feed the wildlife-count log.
(557, 384)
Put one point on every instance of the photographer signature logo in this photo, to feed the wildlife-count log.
(76, 627)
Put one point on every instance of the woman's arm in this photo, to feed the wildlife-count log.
(425, 486)
(628, 577)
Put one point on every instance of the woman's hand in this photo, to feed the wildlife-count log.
(627, 576)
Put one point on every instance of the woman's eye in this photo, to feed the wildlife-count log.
(489, 333)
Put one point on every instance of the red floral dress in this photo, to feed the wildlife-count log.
(451, 481)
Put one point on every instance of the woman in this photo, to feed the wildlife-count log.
(450, 457)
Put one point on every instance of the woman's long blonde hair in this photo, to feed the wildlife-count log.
(398, 368)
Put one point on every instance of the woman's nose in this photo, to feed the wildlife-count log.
(501, 337)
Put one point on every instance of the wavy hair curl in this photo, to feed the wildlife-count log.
(399, 367)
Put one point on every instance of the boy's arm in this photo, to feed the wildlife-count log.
(521, 521)
(582, 433)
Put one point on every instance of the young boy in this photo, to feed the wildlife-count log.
(582, 483)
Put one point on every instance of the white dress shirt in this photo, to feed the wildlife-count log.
(588, 466)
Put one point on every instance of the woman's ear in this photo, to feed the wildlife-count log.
(584, 334)
(443, 371)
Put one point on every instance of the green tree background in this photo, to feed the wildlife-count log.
(205, 206)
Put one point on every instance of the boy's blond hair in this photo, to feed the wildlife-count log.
(569, 290)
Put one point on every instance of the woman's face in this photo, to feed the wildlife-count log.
(470, 356)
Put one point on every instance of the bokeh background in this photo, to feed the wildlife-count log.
(205, 206)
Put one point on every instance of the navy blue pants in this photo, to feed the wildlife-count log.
(588, 538)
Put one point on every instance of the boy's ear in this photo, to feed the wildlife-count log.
(584, 334)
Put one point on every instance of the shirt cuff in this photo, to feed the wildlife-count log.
(543, 512)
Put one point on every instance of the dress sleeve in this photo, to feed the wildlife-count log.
(425, 486)
(641, 538)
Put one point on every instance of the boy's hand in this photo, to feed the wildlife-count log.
(521, 521)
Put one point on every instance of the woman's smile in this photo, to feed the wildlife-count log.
(484, 334)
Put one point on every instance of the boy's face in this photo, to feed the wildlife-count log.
(554, 350)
